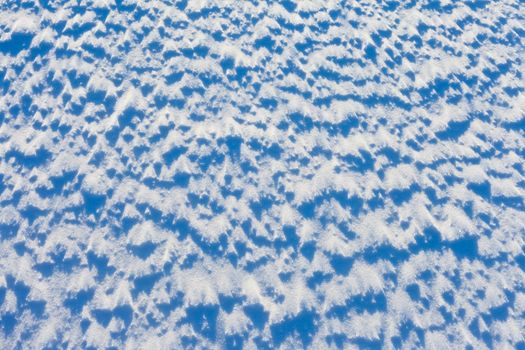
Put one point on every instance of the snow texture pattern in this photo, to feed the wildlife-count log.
(216, 174)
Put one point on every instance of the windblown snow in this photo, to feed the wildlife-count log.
(212, 174)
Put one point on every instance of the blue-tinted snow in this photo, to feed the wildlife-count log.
(262, 174)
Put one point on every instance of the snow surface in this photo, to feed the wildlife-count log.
(262, 174)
